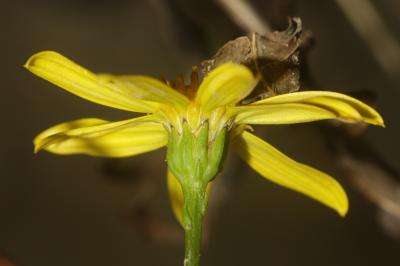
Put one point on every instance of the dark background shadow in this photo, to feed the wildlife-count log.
(79, 210)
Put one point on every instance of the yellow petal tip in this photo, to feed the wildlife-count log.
(31, 59)
(343, 211)
(342, 204)
(381, 123)
(36, 149)
(377, 121)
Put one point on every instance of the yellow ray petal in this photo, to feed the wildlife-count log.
(142, 87)
(226, 85)
(278, 168)
(176, 196)
(98, 137)
(346, 108)
(66, 74)
(286, 113)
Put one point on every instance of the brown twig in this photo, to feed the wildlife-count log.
(370, 26)
(244, 15)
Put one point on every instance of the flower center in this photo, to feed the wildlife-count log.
(194, 116)
(189, 90)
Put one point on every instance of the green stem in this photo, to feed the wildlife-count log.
(195, 206)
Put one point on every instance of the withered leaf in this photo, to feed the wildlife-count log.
(275, 57)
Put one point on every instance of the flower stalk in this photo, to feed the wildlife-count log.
(195, 205)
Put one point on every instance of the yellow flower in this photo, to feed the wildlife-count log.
(169, 111)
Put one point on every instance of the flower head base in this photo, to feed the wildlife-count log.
(193, 157)
(194, 122)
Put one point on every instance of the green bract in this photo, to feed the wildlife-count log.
(194, 157)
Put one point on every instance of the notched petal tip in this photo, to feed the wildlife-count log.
(38, 143)
(341, 204)
(379, 121)
(36, 149)
(343, 210)
(370, 115)
(31, 60)
(44, 139)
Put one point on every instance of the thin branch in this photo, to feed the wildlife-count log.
(244, 15)
(375, 183)
(367, 22)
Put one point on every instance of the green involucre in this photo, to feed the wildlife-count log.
(193, 157)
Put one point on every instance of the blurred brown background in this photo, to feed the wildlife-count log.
(81, 211)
